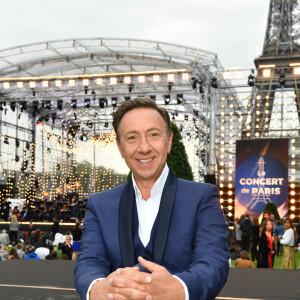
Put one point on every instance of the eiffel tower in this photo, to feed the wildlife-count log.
(279, 65)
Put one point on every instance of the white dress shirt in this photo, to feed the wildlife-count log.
(288, 238)
(147, 211)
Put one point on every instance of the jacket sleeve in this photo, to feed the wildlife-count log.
(92, 261)
(209, 264)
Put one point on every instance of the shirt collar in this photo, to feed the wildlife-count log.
(158, 185)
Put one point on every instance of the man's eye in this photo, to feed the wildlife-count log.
(154, 134)
(132, 138)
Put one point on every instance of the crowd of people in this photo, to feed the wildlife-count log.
(266, 241)
(36, 244)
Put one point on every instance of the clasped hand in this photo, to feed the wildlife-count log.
(130, 283)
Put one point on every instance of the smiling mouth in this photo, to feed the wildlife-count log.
(145, 160)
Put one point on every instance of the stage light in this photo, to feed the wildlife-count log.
(186, 118)
(153, 97)
(142, 79)
(106, 125)
(102, 101)
(113, 80)
(214, 82)
(85, 82)
(226, 75)
(87, 103)
(127, 79)
(127, 98)
(72, 82)
(6, 140)
(296, 71)
(6, 85)
(156, 78)
(17, 143)
(114, 101)
(24, 165)
(32, 84)
(23, 105)
(267, 73)
(99, 81)
(27, 146)
(171, 77)
(45, 83)
(17, 158)
(94, 95)
(179, 98)
(58, 83)
(185, 76)
(60, 104)
(282, 80)
(251, 81)
(53, 117)
(58, 190)
(12, 105)
(20, 84)
(130, 87)
(89, 124)
(167, 99)
(48, 104)
(74, 103)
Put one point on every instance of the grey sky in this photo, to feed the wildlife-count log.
(234, 29)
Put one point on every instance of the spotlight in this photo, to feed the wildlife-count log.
(114, 101)
(130, 87)
(153, 97)
(89, 124)
(1, 106)
(94, 95)
(53, 116)
(102, 101)
(17, 143)
(24, 165)
(170, 84)
(194, 83)
(74, 103)
(35, 107)
(23, 105)
(27, 146)
(127, 98)
(179, 98)
(60, 104)
(282, 79)
(48, 104)
(214, 82)
(167, 99)
(12, 105)
(186, 118)
(4, 173)
(6, 140)
(106, 125)
(17, 158)
(87, 103)
(251, 80)
(46, 118)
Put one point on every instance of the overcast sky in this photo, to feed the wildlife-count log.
(233, 29)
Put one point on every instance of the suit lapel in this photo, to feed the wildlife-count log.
(126, 225)
(164, 217)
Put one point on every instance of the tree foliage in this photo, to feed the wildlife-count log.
(272, 208)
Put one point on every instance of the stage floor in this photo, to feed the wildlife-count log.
(53, 280)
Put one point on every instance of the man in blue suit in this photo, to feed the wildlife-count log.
(155, 237)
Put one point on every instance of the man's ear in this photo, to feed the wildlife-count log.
(120, 148)
(170, 138)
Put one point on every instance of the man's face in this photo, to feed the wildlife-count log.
(144, 143)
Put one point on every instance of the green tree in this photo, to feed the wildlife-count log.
(272, 208)
(177, 159)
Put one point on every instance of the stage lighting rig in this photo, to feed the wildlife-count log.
(114, 101)
(251, 80)
(102, 102)
(48, 104)
(87, 103)
(214, 82)
(167, 99)
(106, 125)
(23, 105)
(89, 124)
(17, 143)
(6, 141)
(74, 103)
(12, 105)
(179, 98)
(60, 104)
(282, 80)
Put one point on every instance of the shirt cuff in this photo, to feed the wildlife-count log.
(186, 291)
(90, 287)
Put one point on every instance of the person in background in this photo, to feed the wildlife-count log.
(55, 227)
(67, 248)
(14, 229)
(244, 261)
(13, 254)
(272, 218)
(266, 216)
(288, 240)
(266, 246)
(278, 231)
(43, 251)
(16, 212)
(5, 207)
(3, 252)
(20, 252)
(4, 238)
(255, 239)
(77, 232)
(31, 254)
(238, 233)
(246, 228)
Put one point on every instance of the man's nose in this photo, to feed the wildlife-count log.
(144, 145)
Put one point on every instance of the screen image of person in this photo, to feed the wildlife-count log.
(157, 236)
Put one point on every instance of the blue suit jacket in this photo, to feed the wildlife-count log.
(190, 240)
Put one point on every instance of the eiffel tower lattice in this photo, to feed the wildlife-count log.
(280, 55)
(259, 197)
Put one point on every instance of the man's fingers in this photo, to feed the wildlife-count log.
(127, 293)
(150, 266)
(122, 271)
